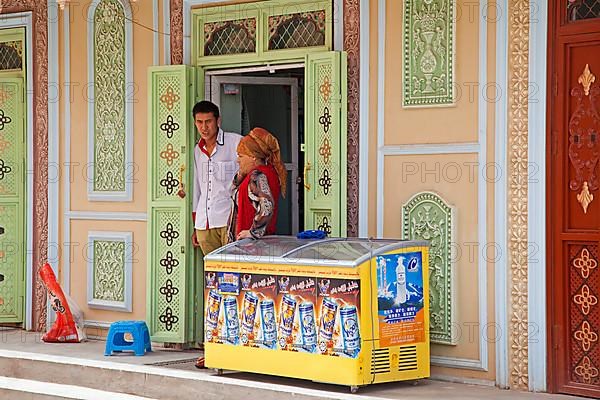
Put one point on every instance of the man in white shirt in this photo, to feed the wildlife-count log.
(214, 168)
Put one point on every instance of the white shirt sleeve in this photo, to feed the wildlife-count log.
(197, 186)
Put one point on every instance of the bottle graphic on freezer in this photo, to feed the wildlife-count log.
(401, 294)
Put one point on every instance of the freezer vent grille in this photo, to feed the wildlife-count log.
(380, 361)
(407, 358)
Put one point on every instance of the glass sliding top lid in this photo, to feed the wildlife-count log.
(268, 246)
(289, 249)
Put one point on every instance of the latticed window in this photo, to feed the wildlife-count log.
(230, 37)
(582, 9)
(11, 55)
(292, 31)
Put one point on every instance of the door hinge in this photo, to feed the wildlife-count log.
(302, 147)
(555, 84)
(555, 338)
(182, 249)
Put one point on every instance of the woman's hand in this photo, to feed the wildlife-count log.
(244, 235)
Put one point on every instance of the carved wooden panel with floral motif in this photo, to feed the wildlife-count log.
(574, 208)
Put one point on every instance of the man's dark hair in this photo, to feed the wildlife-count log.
(205, 107)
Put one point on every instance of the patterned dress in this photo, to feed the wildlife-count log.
(261, 198)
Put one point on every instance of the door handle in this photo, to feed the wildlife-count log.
(181, 192)
(307, 167)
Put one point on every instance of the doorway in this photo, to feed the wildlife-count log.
(271, 98)
(573, 216)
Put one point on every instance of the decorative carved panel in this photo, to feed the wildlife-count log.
(109, 97)
(428, 52)
(170, 304)
(176, 32)
(518, 14)
(109, 270)
(584, 139)
(428, 217)
(584, 314)
(352, 47)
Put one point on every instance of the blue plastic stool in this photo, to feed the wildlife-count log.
(115, 341)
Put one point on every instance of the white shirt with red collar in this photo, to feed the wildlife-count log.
(213, 175)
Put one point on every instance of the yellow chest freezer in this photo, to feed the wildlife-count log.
(345, 311)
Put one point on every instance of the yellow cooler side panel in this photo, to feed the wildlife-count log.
(393, 363)
(315, 367)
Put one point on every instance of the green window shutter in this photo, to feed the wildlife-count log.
(12, 199)
(170, 161)
(325, 154)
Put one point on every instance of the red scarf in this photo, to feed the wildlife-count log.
(246, 210)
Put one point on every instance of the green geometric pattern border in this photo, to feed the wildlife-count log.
(429, 34)
(428, 217)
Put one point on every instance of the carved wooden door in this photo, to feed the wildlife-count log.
(12, 199)
(574, 198)
(325, 199)
(173, 301)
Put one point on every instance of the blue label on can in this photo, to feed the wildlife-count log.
(268, 323)
(350, 330)
(249, 313)
(286, 322)
(308, 328)
(232, 324)
(328, 313)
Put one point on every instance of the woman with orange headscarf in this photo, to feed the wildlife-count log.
(259, 182)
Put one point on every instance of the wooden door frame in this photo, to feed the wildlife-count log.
(36, 15)
(25, 21)
(551, 361)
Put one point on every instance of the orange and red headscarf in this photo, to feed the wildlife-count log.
(261, 144)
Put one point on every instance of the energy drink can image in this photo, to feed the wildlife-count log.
(232, 323)
(328, 312)
(268, 323)
(308, 329)
(350, 330)
(286, 323)
(248, 316)
(213, 307)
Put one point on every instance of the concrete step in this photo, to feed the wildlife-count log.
(25, 389)
(142, 381)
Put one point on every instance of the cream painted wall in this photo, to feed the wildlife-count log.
(432, 124)
(373, 108)
(143, 53)
(439, 125)
(137, 93)
(79, 247)
(457, 183)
